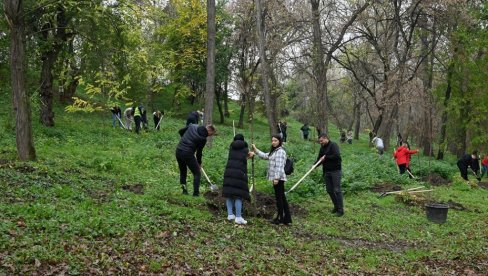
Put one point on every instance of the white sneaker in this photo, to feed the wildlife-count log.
(231, 217)
(240, 220)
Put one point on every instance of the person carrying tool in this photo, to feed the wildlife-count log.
(349, 137)
(378, 143)
(276, 173)
(116, 115)
(193, 139)
(332, 171)
(471, 161)
(402, 157)
(235, 186)
(484, 166)
(157, 116)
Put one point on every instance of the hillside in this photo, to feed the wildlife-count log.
(102, 200)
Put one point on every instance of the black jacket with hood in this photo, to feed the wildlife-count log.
(235, 175)
(193, 139)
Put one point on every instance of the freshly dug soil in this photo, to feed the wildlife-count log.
(386, 187)
(263, 206)
(483, 185)
(136, 188)
(435, 179)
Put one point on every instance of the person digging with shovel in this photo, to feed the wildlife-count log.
(331, 167)
(235, 186)
(471, 161)
(402, 156)
(193, 139)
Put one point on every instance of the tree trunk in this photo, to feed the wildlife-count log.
(357, 128)
(46, 89)
(447, 97)
(319, 70)
(243, 108)
(23, 124)
(218, 94)
(210, 85)
(268, 101)
(226, 97)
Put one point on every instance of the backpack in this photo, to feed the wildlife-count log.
(289, 166)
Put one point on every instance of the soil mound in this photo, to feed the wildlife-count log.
(386, 187)
(136, 188)
(263, 206)
(435, 179)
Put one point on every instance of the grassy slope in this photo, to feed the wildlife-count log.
(69, 211)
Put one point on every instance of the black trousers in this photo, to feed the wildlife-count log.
(138, 121)
(333, 188)
(284, 214)
(156, 121)
(403, 168)
(463, 169)
(188, 160)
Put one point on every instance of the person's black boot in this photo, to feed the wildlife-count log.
(334, 210)
(339, 213)
(185, 191)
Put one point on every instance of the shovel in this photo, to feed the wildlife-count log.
(159, 122)
(213, 187)
(475, 175)
(411, 190)
(309, 171)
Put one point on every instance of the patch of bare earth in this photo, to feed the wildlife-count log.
(386, 187)
(262, 206)
(435, 180)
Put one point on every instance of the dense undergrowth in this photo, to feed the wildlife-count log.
(100, 200)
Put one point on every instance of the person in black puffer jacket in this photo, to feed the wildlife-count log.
(193, 139)
(235, 178)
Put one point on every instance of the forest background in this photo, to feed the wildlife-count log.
(412, 67)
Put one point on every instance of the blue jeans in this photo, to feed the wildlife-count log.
(230, 204)
(484, 169)
(115, 120)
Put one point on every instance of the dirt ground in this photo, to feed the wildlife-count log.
(435, 179)
(483, 185)
(135, 188)
(263, 206)
(386, 187)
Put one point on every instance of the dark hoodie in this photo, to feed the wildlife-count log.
(235, 175)
(193, 139)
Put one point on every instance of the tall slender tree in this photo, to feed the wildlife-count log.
(14, 12)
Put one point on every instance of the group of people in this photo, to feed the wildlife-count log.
(235, 184)
(137, 115)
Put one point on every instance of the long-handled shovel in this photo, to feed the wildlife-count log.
(411, 190)
(123, 125)
(160, 119)
(309, 171)
(213, 187)
(475, 175)
(410, 174)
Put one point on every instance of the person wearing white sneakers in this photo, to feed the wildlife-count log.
(235, 179)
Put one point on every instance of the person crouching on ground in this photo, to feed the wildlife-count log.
(235, 179)
(193, 139)
(331, 167)
(469, 160)
(276, 173)
(402, 156)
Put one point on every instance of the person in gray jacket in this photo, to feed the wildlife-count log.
(276, 173)
(193, 139)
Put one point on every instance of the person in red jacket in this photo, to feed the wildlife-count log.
(484, 166)
(402, 156)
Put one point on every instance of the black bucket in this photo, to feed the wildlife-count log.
(437, 212)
